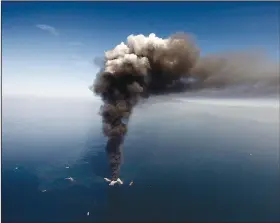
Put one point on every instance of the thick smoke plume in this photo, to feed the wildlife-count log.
(235, 69)
(144, 66)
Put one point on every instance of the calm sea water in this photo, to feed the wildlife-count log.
(188, 160)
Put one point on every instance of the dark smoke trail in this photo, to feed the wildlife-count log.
(151, 65)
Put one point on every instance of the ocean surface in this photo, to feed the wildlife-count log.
(195, 160)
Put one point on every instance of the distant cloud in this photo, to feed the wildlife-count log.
(76, 44)
(48, 28)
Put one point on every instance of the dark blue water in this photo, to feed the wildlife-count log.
(188, 161)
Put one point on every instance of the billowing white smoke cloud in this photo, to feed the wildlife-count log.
(140, 51)
(165, 61)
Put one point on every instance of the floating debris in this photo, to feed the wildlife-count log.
(88, 214)
(16, 168)
(251, 154)
(119, 181)
(67, 167)
(113, 182)
(44, 191)
(130, 183)
(69, 178)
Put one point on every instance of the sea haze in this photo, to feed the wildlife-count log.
(190, 159)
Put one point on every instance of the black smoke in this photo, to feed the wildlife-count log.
(145, 66)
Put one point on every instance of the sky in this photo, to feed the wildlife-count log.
(48, 48)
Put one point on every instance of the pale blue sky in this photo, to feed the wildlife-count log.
(49, 47)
